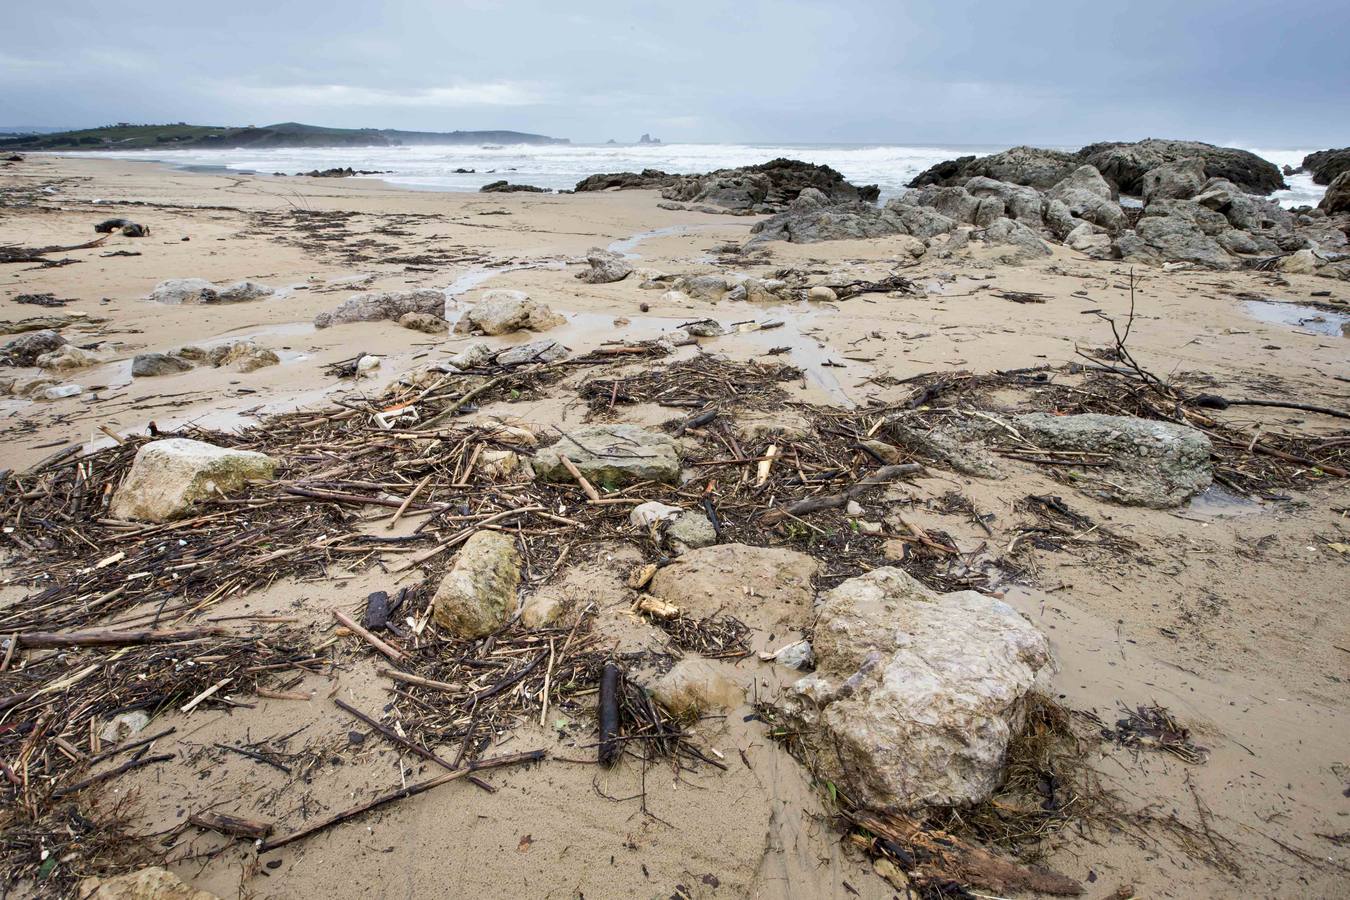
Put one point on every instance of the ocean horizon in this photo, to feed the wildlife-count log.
(560, 166)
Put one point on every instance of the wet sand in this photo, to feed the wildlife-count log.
(1230, 612)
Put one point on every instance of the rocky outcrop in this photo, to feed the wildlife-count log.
(647, 179)
(503, 311)
(605, 267)
(505, 187)
(168, 477)
(812, 218)
(149, 365)
(1030, 166)
(1121, 164)
(764, 188)
(915, 694)
(1337, 198)
(1148, 463)
(374, 306)
(611, 456)
(478, 594)
(1325, 165)
(1126, 164)
(25, 349)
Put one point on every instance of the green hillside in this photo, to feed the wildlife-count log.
(124, 136)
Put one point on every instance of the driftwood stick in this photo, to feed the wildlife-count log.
(834, 501)
(367, 636)
(132, 746)
(410, 791)
(392, 736)
(609, 715)
(112, 773)
(407, 501)
(108, 637)
(235, 826)
(418, 680)
(572, 470)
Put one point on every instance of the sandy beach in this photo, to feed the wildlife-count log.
(1226, 611)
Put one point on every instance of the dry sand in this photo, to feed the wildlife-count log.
(1230, 614)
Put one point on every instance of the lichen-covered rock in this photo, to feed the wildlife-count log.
(424, 322)
(502, 311)
(1149, 463)
(1173, 239)
(169, 476)
(1179, 179)
(611, 456)
(689, 530)
(151, 883)
(605, 267)
(25, 349)
(243, 291)
(1088, 197)
(244, 356)
(374, 306)
(702, 287)
(915, 694)
(148, 365)
(478, 594)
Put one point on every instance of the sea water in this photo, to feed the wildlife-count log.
(561, 166)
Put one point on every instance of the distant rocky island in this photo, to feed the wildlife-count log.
(125, 136)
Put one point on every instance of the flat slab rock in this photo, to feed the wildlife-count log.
(1149, 463)
(611, 456)
(916, 694)
(771, 587)
(169, 476)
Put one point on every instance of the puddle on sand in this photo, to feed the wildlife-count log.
(1217, 502)
(804, 349)
(1297, 315)
(627, 246)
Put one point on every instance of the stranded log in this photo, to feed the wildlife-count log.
(609, 715)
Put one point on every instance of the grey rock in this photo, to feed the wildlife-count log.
(605, 267)
(146, 365)
(1202, 217)
(1088, 196)
(1013, 233)
(1325, 165)
(915, 694)
(1150, 463)
(176, 291)
(1089, 241)
(611, 456)
(1337, 198)
(702, 287)
(1030, 166)
(26, 348)
(1179, 179)
(1172, 239)
(1025, 204)
(243, 291)
(374, 306)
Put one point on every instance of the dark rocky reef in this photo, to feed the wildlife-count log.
(1325, 165)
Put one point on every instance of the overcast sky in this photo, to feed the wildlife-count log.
(1266, 74)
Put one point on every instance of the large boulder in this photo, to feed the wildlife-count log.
(611, 456)
(1160, 239)
(478, 595)
(150, 883)
(1025, 204)
(1126, 164)
(502, 311)
(915, 694)
(1088, 197)
(1148, 463)
(1337, 198)
(810, 220)
(1023, 241)
(169, 477)
(148, 365)
(1325, 165)
(622, 181)
(1179, 179)
(25, 349)
(606, 266)
(374, 306)
(776, 584)
(1031, 166)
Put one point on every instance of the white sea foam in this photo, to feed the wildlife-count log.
(561, 166)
